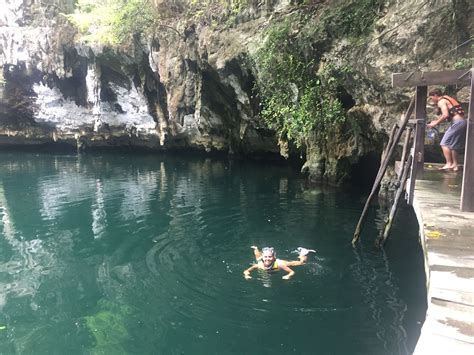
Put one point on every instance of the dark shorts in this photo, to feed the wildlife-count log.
(455, 136)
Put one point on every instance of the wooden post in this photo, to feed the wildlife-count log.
(467, 192)
(405, 151)
(420, 116)
(414, 167)
(418, 150)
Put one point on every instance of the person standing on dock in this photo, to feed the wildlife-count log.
(455, 136)
(267, 261)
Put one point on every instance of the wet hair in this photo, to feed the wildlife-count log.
(270, 249)
(435, 92)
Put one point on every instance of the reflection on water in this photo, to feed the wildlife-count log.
(99, 216)
(140, 254)
(29, 260)
(375, 278)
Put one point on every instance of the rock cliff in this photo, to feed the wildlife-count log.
(191, 84)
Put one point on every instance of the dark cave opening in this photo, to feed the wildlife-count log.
(363, 173)
(345, 98)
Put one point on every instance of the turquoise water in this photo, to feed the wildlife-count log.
(139, 254)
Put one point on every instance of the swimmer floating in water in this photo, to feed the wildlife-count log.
(267, 261)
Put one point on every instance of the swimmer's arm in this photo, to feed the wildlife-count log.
(288, 270)
(249, 270)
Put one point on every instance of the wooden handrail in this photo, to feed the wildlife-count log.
(467, 191)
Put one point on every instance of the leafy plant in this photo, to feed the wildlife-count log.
(298, 101)
(213, 12)
(353, 19)
(465, 61)
(112, 22)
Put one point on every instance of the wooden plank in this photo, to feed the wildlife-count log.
(449, 77)
(405, 150)
(452, 295)
(420, 116)
(451, 319)
(410, 188)
(449, 280)
(449, 266)
(467, 190)
(430, 343)
(417, 154)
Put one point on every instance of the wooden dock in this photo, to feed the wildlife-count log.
(447, 237)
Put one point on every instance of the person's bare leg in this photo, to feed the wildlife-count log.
(301, 261)
(455, 158)
(256, 252)
(447, 157)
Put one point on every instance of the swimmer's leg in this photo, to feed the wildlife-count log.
(301, 261)
(256, 252)
(302, 257)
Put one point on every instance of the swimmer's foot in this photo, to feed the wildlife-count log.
(304, 251)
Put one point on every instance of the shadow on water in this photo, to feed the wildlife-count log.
(121, 253)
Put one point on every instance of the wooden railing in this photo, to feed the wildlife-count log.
(421, 80)
(412, 165)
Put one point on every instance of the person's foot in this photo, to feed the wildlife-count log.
(446, 167)
(304, 251)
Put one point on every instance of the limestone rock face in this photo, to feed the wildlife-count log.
(182, 90)
(191, 85)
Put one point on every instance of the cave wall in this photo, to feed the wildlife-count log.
(191, 86)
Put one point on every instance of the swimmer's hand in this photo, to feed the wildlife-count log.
(247, 275)
(287, 277)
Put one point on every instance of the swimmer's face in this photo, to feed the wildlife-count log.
(268, 258)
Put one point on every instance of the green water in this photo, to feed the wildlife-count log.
(139, 254)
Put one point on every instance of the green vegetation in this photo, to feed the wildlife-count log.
(352, 19)
(213, 12)
(299, 95)
(112, 22)
(465, 62)
(297, 99)
(108, 327)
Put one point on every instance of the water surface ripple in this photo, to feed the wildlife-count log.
(135, 254)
